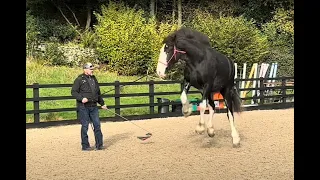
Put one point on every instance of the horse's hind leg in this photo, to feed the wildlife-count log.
(210, 129)
(234, 133)
(203, 105)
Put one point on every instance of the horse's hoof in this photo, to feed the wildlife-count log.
(210, 132)
(237, 145)
(187, 110)
(186, 114)
(236, 142)
(199, 132)
(199, 129)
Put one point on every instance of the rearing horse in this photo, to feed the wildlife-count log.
(207, 70)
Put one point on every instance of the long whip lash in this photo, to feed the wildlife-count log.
(147, 136)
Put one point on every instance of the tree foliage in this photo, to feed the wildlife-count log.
(125, 35)
(236, 37)
(124, 39)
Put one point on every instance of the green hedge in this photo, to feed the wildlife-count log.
(280, 33)
(123, 39)
(236, 37)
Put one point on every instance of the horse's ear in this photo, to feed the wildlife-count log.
(171, 38)
(181, 44)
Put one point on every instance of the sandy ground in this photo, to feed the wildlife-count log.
(173, 152)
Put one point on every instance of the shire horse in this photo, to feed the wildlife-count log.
(207, 70)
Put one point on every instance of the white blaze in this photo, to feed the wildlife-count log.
(162, 63)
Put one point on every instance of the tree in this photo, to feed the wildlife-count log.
(152, 7)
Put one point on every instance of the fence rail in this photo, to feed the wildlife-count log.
(268, 85)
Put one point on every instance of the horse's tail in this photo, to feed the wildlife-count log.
(236, 100)
(235, 97)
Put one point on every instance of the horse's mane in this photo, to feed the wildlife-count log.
(187, 33)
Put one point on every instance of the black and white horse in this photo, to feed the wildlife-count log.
(207, 70)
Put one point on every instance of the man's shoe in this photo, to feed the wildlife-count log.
(100, 148)
(87, 149)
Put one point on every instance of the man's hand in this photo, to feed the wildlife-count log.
(104, 107)
(84, 100)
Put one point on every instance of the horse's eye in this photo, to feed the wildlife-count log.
(166, 49)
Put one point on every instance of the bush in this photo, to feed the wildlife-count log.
(51, 28)
(284, 59)
(68, 54)
(32, 36)
(236, 37)
(88, 39)
(280, 30)
(280, 33)
(77, 55)
(53, 55)
(124, 39)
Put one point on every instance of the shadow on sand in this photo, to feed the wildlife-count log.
(221, 139)
(115, 138)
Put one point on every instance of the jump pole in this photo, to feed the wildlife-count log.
(243, 76)
(248, 82)
(254, 84)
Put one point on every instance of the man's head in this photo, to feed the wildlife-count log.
(88, 69)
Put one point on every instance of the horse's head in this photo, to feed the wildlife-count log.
(169, 55)
(181, 44)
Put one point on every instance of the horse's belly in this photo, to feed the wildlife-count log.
(196, 84)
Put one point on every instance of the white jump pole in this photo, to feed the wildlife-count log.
(274, 75)
(254, 84)
(263, 72)
(275, 71)
(271, 73)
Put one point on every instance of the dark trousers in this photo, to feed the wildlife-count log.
(87, 114)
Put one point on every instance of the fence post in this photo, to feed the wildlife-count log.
(151, 96)
(262, 89)
(256, 101)
(36, 117)
(284, 90)
(117, 98)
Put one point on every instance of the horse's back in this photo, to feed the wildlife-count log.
(223, 66)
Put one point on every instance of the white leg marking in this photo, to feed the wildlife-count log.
(183, 97)
(186, 107)
(234, 132)
(210, 129)
(200, 127)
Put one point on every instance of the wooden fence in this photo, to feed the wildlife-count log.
(280, 85)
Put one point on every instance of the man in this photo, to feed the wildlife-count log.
(86, 90)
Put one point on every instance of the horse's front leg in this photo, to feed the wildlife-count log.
(186, 107)
(200, 127)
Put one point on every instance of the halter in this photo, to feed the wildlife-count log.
(175, 51)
